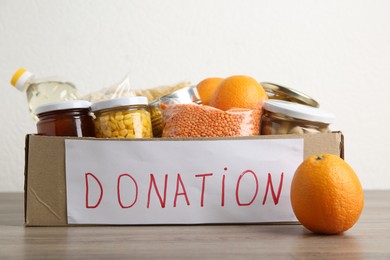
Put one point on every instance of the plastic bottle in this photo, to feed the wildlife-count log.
(42, 91)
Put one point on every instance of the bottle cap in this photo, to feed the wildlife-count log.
(20, 78)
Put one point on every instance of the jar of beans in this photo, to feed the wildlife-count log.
(65, 118)
(187, 95)
(283, 117)
(126, 117)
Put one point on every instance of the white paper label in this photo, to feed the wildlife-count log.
(180, 182)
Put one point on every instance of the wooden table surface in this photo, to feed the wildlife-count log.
(368, 239)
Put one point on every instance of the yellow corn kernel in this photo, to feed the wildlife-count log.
(123, 133)
(121, 125)
(107, 133)
(104, 118)
(130, 135)
(112, 126)
(115, 134)
(118, 117)
(128, 122)
(127, 116)
(112, 118)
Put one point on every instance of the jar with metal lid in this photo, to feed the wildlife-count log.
(65, 118)
(275, 91)
(185, 95)
(283, 117)
(126, 117)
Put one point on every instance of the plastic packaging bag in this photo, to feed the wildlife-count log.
(192, 120)
(121, 89)
(158, 92)
(125, 89)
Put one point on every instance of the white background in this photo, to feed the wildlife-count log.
(335, 51)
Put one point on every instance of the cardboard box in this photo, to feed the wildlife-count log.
(46, 181)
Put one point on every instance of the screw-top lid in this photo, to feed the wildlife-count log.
(20, 78)
(276, 91)
(119, 102)
(298, 111)
(62, 105)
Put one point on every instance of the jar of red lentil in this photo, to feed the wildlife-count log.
(126, 117)
(279, 92)
(65, 118)
(283, 117)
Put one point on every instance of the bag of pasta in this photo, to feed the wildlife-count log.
(124, 88)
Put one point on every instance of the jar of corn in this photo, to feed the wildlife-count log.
(126, 117)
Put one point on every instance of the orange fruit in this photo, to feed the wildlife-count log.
(326, 194)
(206, 88)
(239, 92)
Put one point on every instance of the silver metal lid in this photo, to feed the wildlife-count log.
(185, 95)
(275, 91)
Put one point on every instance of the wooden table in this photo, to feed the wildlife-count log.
(368, 239)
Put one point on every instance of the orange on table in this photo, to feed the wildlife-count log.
(238, 91)
(207, 87)
(326, 194)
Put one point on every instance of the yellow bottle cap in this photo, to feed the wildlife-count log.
(17, 75)
(21, 78)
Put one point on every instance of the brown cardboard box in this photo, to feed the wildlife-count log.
(45, 178)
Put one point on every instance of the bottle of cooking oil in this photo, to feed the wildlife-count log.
(42, 91)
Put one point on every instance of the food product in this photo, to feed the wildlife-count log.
(160, 91)
(326, 194)
(42, 91)
(156, 118)
(206, 88)
(125, 89)
(186, 95)
(283, 117)
(118, 90)
(238, 92)
(122, 118)
(65, 118)
(192, 120)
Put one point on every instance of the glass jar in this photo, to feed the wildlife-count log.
(65, 118)
(185, 95)
(283, 117)
(126, 117)
(275, 91)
